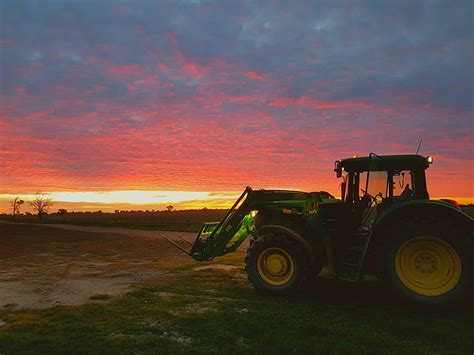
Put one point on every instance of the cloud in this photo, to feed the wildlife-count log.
(215, 96)
(254, 75)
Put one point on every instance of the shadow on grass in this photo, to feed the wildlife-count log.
(372, 294)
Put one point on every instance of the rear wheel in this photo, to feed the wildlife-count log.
(276, 263)
(429, 265)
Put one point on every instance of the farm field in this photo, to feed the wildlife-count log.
(182, 221)
(71, 291)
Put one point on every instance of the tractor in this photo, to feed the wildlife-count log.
(384, 225)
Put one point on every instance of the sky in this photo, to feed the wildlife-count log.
(108, 103)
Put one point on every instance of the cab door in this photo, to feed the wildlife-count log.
(373, 193)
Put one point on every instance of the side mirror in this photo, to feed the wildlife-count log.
(338, 168)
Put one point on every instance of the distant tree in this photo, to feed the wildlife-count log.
(169, 208)
(41, 204)
(117, 211)
(62, 211)
(16, 205)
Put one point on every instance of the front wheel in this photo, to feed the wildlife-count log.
(429, 266)
(275, 263)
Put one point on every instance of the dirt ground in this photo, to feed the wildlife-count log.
(45, 266)
(116, 230)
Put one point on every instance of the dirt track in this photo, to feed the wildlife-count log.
(43, 266)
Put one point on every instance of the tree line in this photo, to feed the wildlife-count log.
(41, 203)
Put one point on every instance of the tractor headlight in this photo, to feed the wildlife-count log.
(429, 159)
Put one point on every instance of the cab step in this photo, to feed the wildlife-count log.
(353, 256)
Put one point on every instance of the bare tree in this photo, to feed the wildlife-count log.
(41, 204)
(16, 205)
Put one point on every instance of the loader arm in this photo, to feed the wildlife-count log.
(219, 238)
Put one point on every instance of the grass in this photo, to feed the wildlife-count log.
(216, 311)
(100, 297)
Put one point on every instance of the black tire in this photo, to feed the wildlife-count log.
(277, 240)
(426, 261)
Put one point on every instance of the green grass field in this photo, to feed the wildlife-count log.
(212, 311)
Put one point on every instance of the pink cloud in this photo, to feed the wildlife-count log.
(194, 69)
(314, 104)
(105, 47)
(254, 75)
(130, 69)
(179, 65)
(98, 89)
(282, 102)
(20, 90)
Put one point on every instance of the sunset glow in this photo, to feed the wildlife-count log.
(110, 105)
(130, 200)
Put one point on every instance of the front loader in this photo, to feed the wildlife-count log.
(385, 225)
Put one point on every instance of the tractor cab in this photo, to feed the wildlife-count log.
(371, 184)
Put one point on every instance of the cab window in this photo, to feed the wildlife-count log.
(402, 184)
(377, 183)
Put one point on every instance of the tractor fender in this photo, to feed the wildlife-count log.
(441, 207)
(315, 263)
(413, 210)
(291, 233)
(421, 208)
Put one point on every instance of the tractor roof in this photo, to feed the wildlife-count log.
(385, 162)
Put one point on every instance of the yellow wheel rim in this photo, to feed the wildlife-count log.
(275, 266)
(428, 266)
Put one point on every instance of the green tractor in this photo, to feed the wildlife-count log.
(384, 225)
